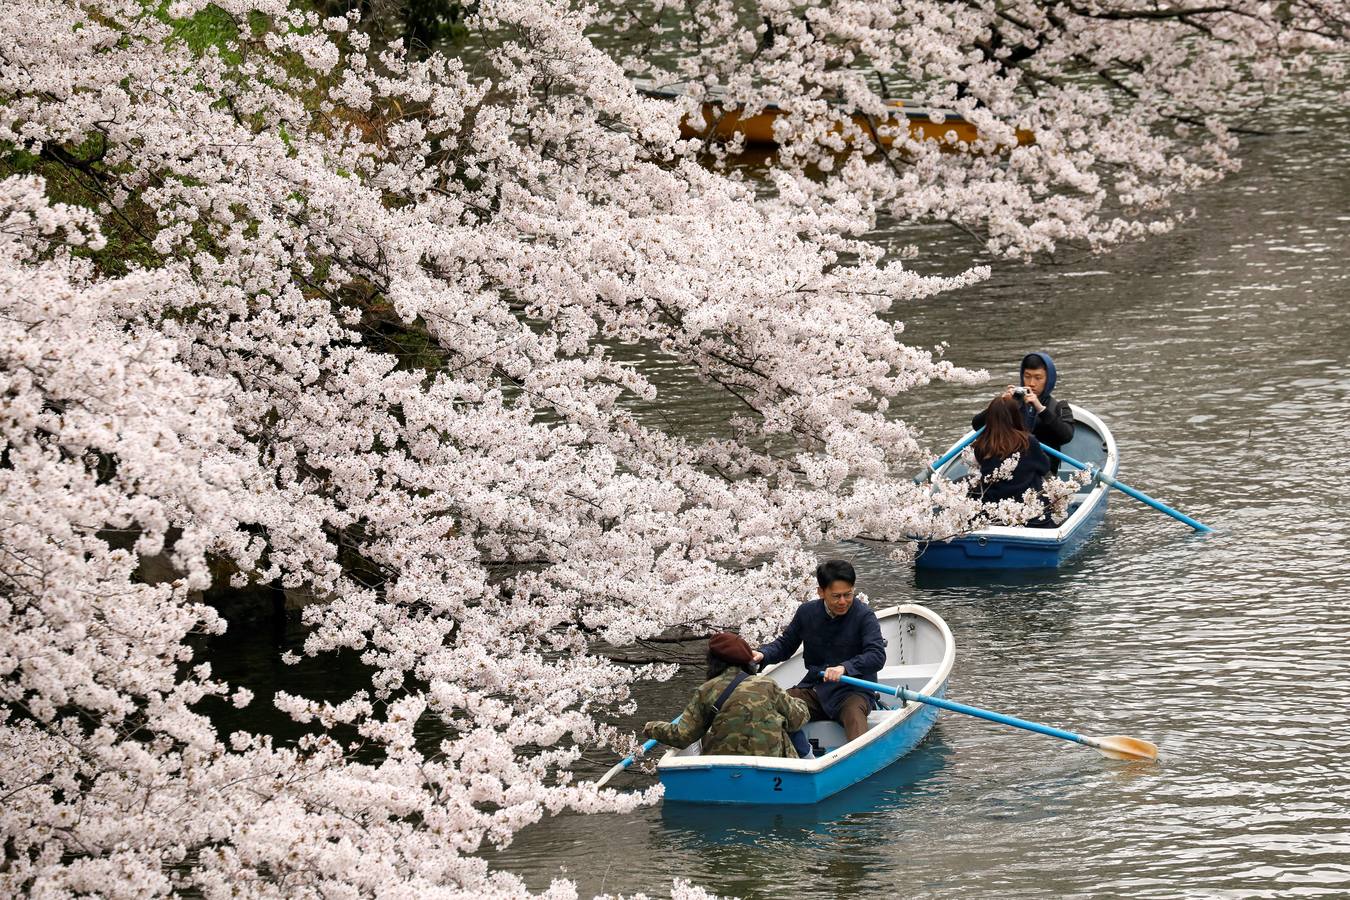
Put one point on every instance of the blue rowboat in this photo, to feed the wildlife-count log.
(920, 653)
(1008, 547)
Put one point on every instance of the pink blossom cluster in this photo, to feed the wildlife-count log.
(226, 405)
(1128, 104)
(1052, 497)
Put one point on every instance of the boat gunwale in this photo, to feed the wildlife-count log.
(672, 761)
(1021, 534)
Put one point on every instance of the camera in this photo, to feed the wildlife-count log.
(1020, 393)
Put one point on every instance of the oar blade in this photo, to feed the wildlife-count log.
(604, 779)
(1119, 746)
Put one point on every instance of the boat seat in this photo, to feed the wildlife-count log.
(877, 716)
(914, 677)
(829, 736)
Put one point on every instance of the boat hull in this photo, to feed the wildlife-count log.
(757, 130)
(735, 783)
(920, 654)
(726, 122)
(1035, 548)
(983, 552)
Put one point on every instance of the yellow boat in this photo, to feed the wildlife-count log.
(951, 132)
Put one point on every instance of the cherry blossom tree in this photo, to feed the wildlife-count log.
(275, 308)
(278, 307)
(1122, 106)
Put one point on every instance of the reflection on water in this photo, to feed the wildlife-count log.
(1218, 356)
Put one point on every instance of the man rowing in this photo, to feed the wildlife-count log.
(842, 636)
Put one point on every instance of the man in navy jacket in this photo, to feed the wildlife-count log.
(842, 637)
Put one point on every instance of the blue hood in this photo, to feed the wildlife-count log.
(1049, 373)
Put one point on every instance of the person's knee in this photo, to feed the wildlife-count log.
(857, 703)
(853, 713)
(853, 716)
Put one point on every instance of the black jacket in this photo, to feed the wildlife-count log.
(852, 640)
(1033, 464)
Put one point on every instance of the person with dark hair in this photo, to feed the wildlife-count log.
(1005, 433)
(1050, 421)
(735, 711)
(842, 636)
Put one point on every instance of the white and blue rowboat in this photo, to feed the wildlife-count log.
(919, 656)
(1015, 547)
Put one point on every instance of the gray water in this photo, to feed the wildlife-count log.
(1218, 355)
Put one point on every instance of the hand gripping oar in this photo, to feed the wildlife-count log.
(947, 457)
(628, 760)
(1117, 746)
(1126, 489)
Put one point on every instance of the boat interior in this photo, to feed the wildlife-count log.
(826, 737)
(915, 649)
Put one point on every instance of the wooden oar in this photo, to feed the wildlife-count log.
(1126, 489)
(628, 760)
(1117, 746)
(947, 457)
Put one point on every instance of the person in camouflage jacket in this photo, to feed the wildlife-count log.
(756, 719)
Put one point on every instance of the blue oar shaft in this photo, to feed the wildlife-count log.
(646, 748)
(1126, 489)
(978, 713)
(947, 457)
(628, 760)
